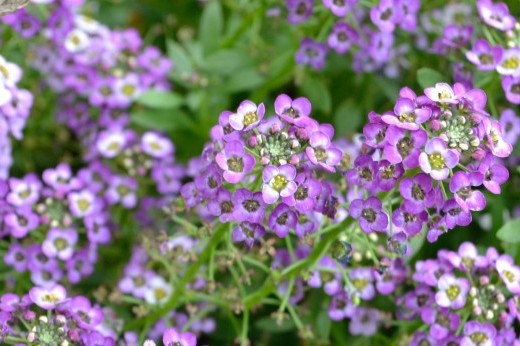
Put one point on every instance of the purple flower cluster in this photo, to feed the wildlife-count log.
(47, 316)
(56, 224)
(464, 298)
(434, 151)
(260, 171)
(15, 106)
(373, 46)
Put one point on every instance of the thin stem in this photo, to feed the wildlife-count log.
(244, 341)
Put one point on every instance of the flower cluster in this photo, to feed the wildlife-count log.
(434, 151)
(56, 224)
(15, 106)
(464, 297)
(47, 316)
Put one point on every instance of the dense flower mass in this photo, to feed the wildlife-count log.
(133, 211)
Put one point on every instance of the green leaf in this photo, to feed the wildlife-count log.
(323, 325)
(348, 117)
(160, 99)
(244, 80)
(211, 26)
(228, 61)
(181, 61)
(510, 232)
(318, 93)
(160, 119)
(427, 77)
(269, 325)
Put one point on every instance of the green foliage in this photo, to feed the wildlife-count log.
(510, 232)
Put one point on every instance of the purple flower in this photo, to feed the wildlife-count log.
(496, 15)
(410, 217)
(156, 145)
(509, 65)
(326, 275)
(408, 10)
(16, 256)
(387, 175)
(48, 298)
(437, 159)
(123, 190)
(171, 337)
(418, 190)
(222, 205)
(339, 7)
(248, 115)
(342, 37)
(455, 215)
(363, 281)
(311, 53)
(307, 190)
(406, 115)
(21, 221)
(295, 111)
(452, 291)
(510, 124)
(385, 15)
(484, 56)
(468, 199)
(24, 191)
(235, 162)
(370, 215)
(509, 273)
(82, 203)
(60, 243)
(442, 322)
(511, 86)
(340, 306)
(248, 233)
(299, 10)
(282, 220)
(404, 147)
(278, 181)
(441, 93)
(249, 206)
(322, 152)
(478, 334)
(364, 173)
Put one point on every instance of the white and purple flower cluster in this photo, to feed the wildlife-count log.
(260, 172)
(433, 151)
(464, 298)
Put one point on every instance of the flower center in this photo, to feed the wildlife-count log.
(301, 193)
(453, 292)
(478, 338)
(509, 275)
(360, 284)
(60, 243)
(159, 293)
(404, 146)
(278, 183)
(282, 219)
(437, 161)
(465, 192)
(407, 117)
(123, 190)
(83, 205)
(128, 89)
(235, 164)
(417, 192)
(369, 214)
(50, 298)
(511, 63)
(485, 59)
(250, 118)
(251, 205)
(321, 154)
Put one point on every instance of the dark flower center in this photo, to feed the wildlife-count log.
(282, 219)
(369, 214)
(235, 164)
(227, 207)
(417, 192)
(404, 146)
(301, 193)
(465, 192)
(251, 205)
(387, 14)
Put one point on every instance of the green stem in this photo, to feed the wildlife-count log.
(244, 341)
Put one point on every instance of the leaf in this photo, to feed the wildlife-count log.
(427, 77)
(510, 232)
(318, 93)
(160, 99)
(269, 325)
(160, 119)
(211, 26)
(181, 61)
(244, 80)
(228, 61)
(348, 117)
(323, 324)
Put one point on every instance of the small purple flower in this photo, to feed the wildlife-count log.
(410, 217)
(123, 190)
(468, 199)
(418, 190)
(311, 53)
(326, 275)
(171, 337)
(442, 322)
(299, 10)
(441, 93)
(496, 15)
(408, 10)
(248, 115)
(222, 205)
(24, 191)
(16, 256)
(156, 145)
(248, 233)
(511, 86)
(406, 115)
(510, 124)
(282, 220)
(366, 321)
(385, 15)
(498, 146)
(82, 203)
(478, 334)
(48, 298)
(340, 306)
(404, 147)
(322, 152)
(484, 56)
(342, 37)
(339, 7)
(295, 111)
(235, 162)
(307, 191)
(437, 159)
(278, 181)
(387, 175)
(249, 206)
(455, 215)
(509, 273)
(363, 281)
(452, 291)
(509, 65)
(60, 243)
(370, 215)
